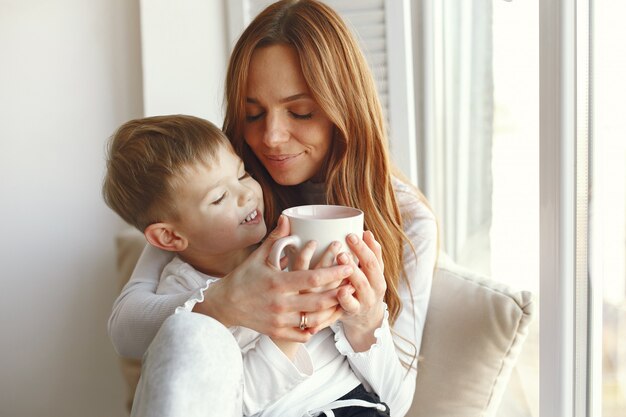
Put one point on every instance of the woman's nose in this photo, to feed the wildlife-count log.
(276, 131)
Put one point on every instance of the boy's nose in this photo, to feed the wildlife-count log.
(245, 195)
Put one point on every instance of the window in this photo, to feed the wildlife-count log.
(608, 208)
(478, 69)
(522, 129)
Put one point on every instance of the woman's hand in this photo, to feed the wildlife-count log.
(259, 296)
(327, 259)
(363, 309)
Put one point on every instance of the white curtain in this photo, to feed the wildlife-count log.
(454, 65)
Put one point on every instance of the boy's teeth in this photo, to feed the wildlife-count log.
(250, 216)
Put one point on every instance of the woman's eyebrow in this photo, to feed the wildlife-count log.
(294, 97)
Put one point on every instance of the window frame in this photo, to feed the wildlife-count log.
(563, 145)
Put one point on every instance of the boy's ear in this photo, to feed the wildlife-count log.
(163, 236)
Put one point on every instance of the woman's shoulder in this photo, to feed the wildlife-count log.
(418, 219)
(412, 203)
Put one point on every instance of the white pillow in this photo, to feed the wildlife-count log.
(474, 332)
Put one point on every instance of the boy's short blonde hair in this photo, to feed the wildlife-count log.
(146, 157)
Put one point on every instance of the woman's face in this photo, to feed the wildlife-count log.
(285, 128)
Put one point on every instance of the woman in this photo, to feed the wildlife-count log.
(303, 113)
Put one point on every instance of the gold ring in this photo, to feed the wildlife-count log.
(303, 324)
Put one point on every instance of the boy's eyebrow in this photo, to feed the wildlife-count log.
(282, 100)
(210, 188)
(206, 192)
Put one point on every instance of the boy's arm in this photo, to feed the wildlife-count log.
(287, 347)
(270, 373)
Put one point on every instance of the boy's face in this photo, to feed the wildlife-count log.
(220, 206)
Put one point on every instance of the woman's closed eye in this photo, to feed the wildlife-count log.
(254, 117)
(300, 116)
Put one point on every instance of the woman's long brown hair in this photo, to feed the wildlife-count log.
(358, 167)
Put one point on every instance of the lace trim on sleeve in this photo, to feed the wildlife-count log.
(343, 345)
(197, 296)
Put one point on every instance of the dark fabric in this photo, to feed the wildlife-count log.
(359, 393)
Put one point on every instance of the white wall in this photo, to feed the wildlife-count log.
(70, 73)
(184, 54)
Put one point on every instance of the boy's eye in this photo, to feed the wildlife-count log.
(219, 200)
(244, 176)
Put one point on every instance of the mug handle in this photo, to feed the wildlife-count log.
(280, 245)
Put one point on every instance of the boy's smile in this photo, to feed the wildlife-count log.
(251, 218)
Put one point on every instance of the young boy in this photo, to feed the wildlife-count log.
(178, 180)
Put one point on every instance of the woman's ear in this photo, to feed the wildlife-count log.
(164, 236)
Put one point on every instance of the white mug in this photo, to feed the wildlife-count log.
(323, 223)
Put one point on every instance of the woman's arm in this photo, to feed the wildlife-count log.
(138, 312)
(255, 295)
(381, 365)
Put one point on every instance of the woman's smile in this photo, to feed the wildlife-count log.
(281, 161)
